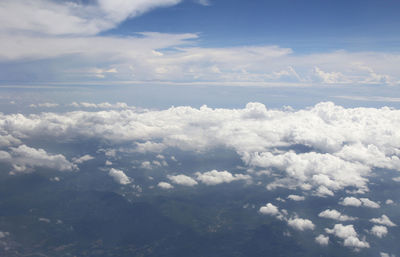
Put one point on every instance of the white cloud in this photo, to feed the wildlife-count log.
(322, 191)
(66, 18)
(25, 159)
(146, 165)
(119, 176)
(47, 105)
(322, 240)
(8, 140)
(379, 231)
(82, 159)
(150, 147)
(389, 201)
(329, 77)
(335, 215)
(165, 185)
(254, 133)
(215, 177)
(370, 204)
(383, 220)
(183, 180)
(301, 224)
(103, 105)
(355, 242)
(296, 197)
(351, 201)
(349, 236)
(270, 209)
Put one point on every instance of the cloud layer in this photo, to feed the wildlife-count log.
(322, 149)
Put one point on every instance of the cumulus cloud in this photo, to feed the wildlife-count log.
(379, 231)
(150, 147)
(322, 240)
(296, 197)
(270, 209)
(383, 220)
(349, 236)
(335, 215)
(165, 185)
(370, 204)
(322, 191)
(119, 176)
(301, 224)
(329, 77)
(352, 201)
(256, 133)
(8, 140)
(25, 159)
(215, 177)
(183, 180)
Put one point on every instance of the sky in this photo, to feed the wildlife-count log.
(245, 43)
(257, 118)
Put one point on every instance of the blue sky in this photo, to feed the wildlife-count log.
(215, 42)
(304, 25)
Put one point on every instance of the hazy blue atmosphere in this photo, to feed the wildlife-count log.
(176, 128)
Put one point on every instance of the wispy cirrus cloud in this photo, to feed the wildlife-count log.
(56, 18)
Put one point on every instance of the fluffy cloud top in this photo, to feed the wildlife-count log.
(322, 240)
(383, 220)
(352, 201)
(270, 209)
(349, 236)
(379, 231)
(215, 177)
(370, 204)
(335, 215)
(332, 134)
(24, 159)
(119, 176)
(296, 197)
(183, 180)
(301, 224)
(165, 185)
